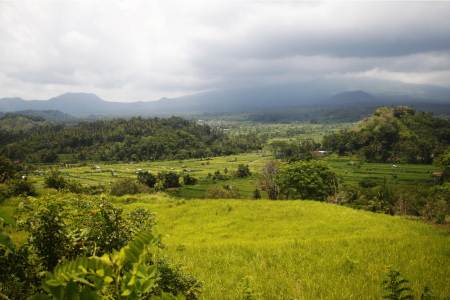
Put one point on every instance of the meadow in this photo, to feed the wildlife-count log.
(298, 249)
(352, 169)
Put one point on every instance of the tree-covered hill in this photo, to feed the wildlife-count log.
(395, 134)
(126, 140)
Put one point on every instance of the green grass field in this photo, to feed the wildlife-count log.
(88, 175)
(299, 249)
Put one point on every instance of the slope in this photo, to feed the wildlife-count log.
(299, 249)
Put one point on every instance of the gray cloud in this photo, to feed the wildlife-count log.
(144, 50)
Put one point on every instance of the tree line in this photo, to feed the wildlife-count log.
(125, 140)
(395, 134)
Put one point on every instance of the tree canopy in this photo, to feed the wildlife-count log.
(312, 180)
(395, 134)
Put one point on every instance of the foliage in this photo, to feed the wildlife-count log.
(189, 180)
(21, 186)
(6, 169)
(147, 178)
(396, 286)
(89, 232)
(126, 274)
(217, 192)
(128, 186)
(314, 180)
(443, 161)
(267, 179)
(395, 134)
(243, 171)
(4, 238)
(294, 151)
(169, 179)
(248, 292)
(125, 140)
(256, 194)
(55, 180)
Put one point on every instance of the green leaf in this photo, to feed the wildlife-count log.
(40, 297)
(88, 294)
(53, 283)
(7, 218)
(6, 241)
(71, 291)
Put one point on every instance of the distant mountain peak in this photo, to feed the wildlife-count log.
(354, 97)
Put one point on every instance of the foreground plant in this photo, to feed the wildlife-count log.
(124, 274)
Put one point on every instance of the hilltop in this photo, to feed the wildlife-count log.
(394, 134)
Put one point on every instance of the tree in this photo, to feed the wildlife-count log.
(443, 161)
(314, 180)
(6, 169)
(188, 180)
(267, 179)
(55, 180)
(243, 171)
(147, 178)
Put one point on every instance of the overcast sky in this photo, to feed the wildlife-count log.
(144, 50)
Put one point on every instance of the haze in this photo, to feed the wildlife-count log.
(144, 50)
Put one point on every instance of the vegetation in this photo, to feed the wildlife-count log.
(394, 135)
(83, 240)
(314, 180)
(84, 247)
(130, 140)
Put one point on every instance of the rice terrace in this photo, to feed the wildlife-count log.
(244, 150)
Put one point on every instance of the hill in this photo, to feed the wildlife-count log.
(298, 249)
(395, 134)
(20, 122)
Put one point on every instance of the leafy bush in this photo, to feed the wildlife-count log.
(20, 186)
(96, 230)
(6, 169)
(169, 179)
(128, 186)
(243, 171)
(55, 180)
(217, 192)
(147, 178)
(189, 180)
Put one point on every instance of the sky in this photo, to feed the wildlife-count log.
(143, 50)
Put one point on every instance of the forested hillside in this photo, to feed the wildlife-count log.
(125, 140)
(395, 134)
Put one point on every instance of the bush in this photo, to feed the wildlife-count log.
(169, 179)
(243, 171)
(147, 178)
(21, 186)
(188, 180)
(95, 228)
(55, 180)
(128, 186)
(217, 192)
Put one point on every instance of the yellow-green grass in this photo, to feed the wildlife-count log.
(299, 249)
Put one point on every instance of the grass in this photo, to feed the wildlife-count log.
(88, 175)
(299, 249)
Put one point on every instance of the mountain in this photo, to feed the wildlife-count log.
(324, 92)
(359, 98)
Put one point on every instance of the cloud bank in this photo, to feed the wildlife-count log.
(144, 50)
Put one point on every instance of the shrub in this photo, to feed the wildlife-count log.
(147, 178)
(188, 180)
(216, 192)
(128, 186)
(20, 186)
(243, 171)
(55, 180)
(96, 228)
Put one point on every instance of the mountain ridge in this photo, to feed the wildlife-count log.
(329, 93)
